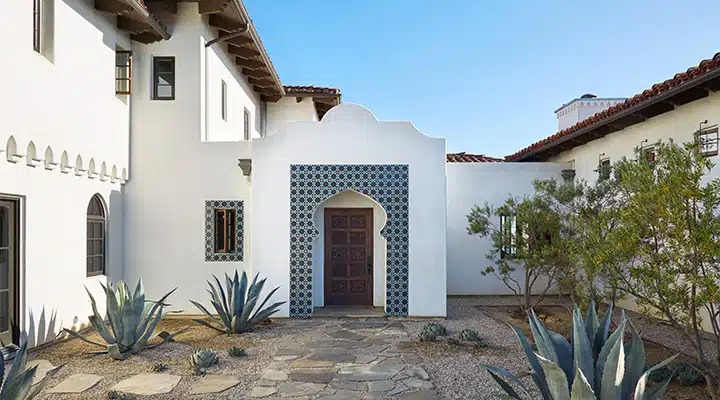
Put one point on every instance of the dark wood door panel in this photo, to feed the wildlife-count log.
(348, 256)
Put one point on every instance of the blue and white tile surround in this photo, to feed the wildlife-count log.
(310, 185)
(210, 207)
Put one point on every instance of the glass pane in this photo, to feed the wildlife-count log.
(164, 79)
(4, 268)
(164, 91)
(122, 58)
(163, 66)
(219, 230)
(4, 311)
(90, 264)
(122, 72)
(98, 247)
(122, 86)
(4, 226)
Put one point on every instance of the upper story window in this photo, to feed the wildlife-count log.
(508, 229)
(36, 24)
(123, 72)
(604, 169)
(648, 154)
(163, 78)
(96, 225)
(223, 100)
(707, 138)
(246, 124)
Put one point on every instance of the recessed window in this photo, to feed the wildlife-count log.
(36, 25)
(163, 78)
(96, 225)
(123, 72)
(648, 155)
(707, 139)
(508, 229)
(223, 100)
(246, 124)
(604, 169)
(225, 232)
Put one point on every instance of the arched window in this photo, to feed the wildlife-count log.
(96, 226)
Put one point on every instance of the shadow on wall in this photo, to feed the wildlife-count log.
(44, 330)
(114, 266)
(86, 9)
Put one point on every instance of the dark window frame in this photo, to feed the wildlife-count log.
(708, 140)
(246, 124)
(604, 169)
(223, 100)
(225, 233)
(155, 76)
(94, 218)
(128, 66)
(37, 9)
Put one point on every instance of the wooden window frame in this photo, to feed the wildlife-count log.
(223, 99)
(155, 85)
(246, 124)
(129, 74)
(102, 220)
(37, 9)
(227, 231)
(708, 141)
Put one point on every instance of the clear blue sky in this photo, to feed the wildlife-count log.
(485, 74)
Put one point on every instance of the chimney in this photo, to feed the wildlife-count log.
(582, 108)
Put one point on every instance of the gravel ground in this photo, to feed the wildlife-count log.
(455, 369)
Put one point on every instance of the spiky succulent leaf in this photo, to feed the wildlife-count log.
(601, 336)
(545, 345)
(19, 386)
(582, 351)
(565, 355)
(538, 374)
(592, 323)
(640, 393)
(613, 372)
(634, 360)
(512, 394)
(605, 352)
(581, 389)
(556, 379)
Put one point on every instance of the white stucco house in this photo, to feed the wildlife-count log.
(154, 139)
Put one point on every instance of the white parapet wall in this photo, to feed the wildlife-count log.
(470, 184)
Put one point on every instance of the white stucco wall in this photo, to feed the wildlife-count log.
(289, 110)
(350, 134)
(63, 100)
(470, 184)
(351, 199)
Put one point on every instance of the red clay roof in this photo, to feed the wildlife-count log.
(703, 68)
(470, 158)
(289, 89)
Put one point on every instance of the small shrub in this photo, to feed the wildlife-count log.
(481, 343)
(427, 336)
(199, 371)
(438, 329)
(237, 352)
(469, 335)
(158, 367)
(683, 372)
(203, 358)
(114, 395)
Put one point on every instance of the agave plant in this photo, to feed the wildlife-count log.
(237, 352)
(131, 321)
(598, 365)
(469, 335)
(235, 307)
(427, 335)
(17, 385)
(203, 358)
(437, 329)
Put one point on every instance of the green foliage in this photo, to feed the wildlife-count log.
(235, 304)
(684, 373)
(158, 367)
(115, 395)
(597, 365)
(204, 358)
(427, 336)
(469, 335)
(237, 352)
(438, 329)
(131, 321)
(17, 384)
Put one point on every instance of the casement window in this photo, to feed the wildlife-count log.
(707, 139)
(225, 232)
(96, 228)
(123, 72)
(163, 78)
(36, 24)
(604, 169)
(223, 100)
(246, 124)
(508, 230)
(648, 155)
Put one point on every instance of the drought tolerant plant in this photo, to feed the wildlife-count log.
(427, 335)
(131, 321)
(683, 372)
(597, 365)
(235, 307)
(469, 335)
(237, 352)
(204, 358)
(158, 367)
(17, 384)
(438, 329)
(115, 395)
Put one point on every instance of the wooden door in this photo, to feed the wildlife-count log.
(348, 256)
(8, 262)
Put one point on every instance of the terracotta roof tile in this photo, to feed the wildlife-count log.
(701, 69)
(470, 158)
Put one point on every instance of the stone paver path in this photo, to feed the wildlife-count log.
(346, 359)
(77, 383)
(148, 384)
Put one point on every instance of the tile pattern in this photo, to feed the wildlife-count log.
(210, 206)
(310, 185)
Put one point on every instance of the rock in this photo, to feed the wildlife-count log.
(418, 383)
(332, 355)
(356, 386)
(372, 396)
(420, 373)
(422, 395)
(341, 395)
(278, 365)
(412, 359)
(380, 386)
(285, 358)
(399, 388)
(261, 391)
(43, 367)
(377, 348)
(369, 372)
(148, 384)
(304, 363)
(274, 375)
(325, 375)
(307, 324)
(373, 324)
(395, 325)
(345, 334)
(365, 358)
(77, 383)
(294, 389)
(214, 384)
(291, 352)
(266, 382)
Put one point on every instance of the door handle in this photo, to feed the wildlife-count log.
(369, 265)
